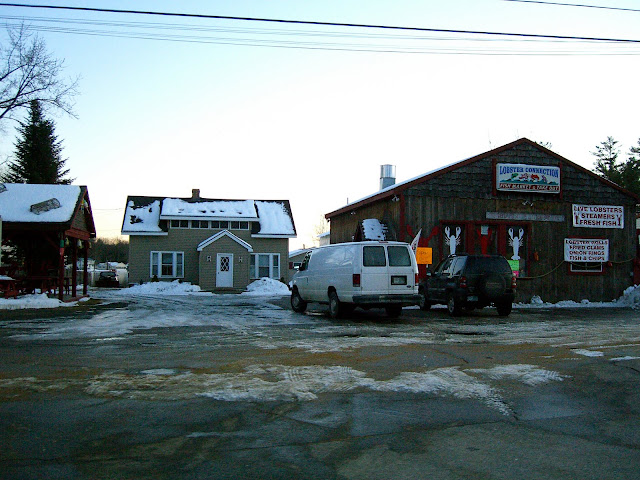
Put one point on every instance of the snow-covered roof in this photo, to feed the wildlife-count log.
(144, 215)
(177, 208)
(38, 203)
(275, 220)
(372, 229)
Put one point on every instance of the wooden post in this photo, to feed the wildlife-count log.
(85, 274)
(61, 269)
(74, 268)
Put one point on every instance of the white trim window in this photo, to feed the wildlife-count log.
(586, 267)
(265, 265)
(167, 264)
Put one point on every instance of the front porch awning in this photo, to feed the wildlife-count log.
(219, 235)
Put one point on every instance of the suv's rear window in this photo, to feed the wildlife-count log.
(373, 257)
(399, 256)
(488, 264)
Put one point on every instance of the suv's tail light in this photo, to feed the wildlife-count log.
(356, 279)
(513, 282)
(463, 282)
(417, 280)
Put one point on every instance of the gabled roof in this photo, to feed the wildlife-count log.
(219, 235)
(144, 215)
(399, 188)
(47, 205)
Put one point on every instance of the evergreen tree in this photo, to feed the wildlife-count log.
(607, 160)
(38, 152)
(630, 171)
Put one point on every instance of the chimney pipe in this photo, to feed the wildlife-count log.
(387, 176)
(195, 194)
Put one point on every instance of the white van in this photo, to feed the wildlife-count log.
(358, 274)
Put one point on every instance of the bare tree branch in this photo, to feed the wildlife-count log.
(28, 72)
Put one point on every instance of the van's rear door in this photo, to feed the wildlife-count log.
(375, 275)
(401, 271)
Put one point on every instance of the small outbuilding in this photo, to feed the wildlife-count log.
(568, 233)
(45, 227)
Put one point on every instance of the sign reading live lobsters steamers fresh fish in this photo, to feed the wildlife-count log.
(529, 178)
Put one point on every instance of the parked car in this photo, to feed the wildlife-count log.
(108, 279)
(468, 282)
(358, 274)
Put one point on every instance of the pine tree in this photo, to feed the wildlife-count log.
(607, 160)
(630, 170)
(38, 152)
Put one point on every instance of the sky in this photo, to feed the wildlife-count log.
(256, 110)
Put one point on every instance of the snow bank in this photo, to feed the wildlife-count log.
(40, 300)
(267, 287)
(161, 288)
(630, 298)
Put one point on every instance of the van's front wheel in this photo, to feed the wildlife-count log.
(335, 307)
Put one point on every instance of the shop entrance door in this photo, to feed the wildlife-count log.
(224, 270)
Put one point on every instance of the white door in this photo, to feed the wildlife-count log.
(224, 270)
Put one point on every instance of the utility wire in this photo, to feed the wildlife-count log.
(575, 5)
(316, 23)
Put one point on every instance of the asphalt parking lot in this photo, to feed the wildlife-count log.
(240, 387)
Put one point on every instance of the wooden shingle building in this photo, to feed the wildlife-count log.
(567, 233)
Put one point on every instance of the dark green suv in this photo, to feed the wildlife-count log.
(470, 281)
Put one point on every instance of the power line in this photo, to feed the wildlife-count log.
(575, 5)
(317, 23)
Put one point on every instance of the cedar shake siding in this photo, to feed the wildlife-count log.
(462, 200)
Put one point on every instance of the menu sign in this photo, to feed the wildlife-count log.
(598, 216)
(586, 250)
(527, 178)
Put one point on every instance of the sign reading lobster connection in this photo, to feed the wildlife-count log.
(586, 250)
(527, 178)
(598, 216)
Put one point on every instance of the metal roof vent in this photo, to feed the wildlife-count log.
(387, 176)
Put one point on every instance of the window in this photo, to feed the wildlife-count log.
(373, 257)
(585, 267)
(239, 225)
(199, 223)
(399, 256)
(265, 265)
(167, 264)
(179, 223)
(219, 224)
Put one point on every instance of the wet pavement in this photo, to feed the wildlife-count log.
(242, 387)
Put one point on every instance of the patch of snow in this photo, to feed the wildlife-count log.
(587, 353)
(38, 300)
(623, 359)
(227, 209)
(159, 371)
(161, 288)
(373, 229)
(267, 287)
(274, 219)
(527, 374)
(16, 201)
(144, 218)
(630, 297)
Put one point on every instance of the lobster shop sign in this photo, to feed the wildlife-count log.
(520, 177)
(586, 250)
(598, 216)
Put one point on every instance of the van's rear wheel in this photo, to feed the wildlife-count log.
(297, 303)
(453, 305)
(335, 307)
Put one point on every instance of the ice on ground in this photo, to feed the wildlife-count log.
(587, 353)
(267, 287)
(623, 359)
(527, 374)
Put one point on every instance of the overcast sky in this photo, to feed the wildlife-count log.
(253, 110)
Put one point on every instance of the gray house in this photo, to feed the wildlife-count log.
(216, 244)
